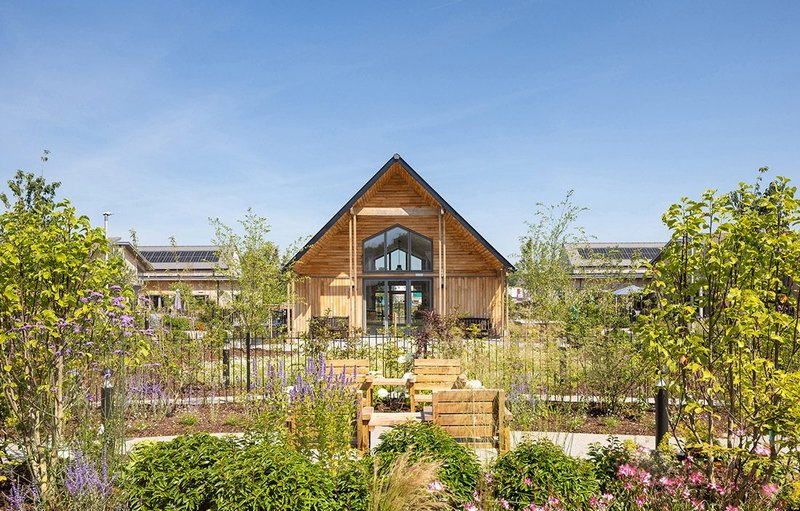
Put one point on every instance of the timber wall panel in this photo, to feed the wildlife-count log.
(318, 295)
(476, 297)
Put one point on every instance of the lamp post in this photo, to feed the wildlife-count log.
(106, 214)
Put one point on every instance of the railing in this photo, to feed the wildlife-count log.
(195, 368)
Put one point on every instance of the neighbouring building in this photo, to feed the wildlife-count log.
(621, 264)
(135, 262)
(394, 249)
(161, 268)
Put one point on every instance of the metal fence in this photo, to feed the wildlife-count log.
(195, 368)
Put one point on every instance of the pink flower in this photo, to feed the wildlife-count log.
(763, 450)
(626, 470)
(696, 477)
(717, 488)
(489, 479)
(470, 506)
(770, 489)
(435, 486)
(528, 481)
(731, 508)
(504, 504)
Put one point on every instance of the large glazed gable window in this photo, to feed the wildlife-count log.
(398, 249)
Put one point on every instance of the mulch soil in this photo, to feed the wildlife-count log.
(233, 417)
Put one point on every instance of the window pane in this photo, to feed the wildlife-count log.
(421, 253)
(374, 254)
(397, 248)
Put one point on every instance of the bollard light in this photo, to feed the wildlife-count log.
(107, 393)
(662, 420)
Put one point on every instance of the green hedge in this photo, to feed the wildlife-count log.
(205, 473)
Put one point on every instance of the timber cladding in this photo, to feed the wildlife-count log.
(331, 271)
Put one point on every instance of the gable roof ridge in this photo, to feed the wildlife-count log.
(428, 188)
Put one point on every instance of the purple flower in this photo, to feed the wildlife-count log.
(82, 478)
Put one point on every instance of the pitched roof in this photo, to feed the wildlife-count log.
(397, 159)
(603, 259)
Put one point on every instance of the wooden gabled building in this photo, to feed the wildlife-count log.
(395, 248)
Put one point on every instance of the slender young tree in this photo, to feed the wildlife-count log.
(543, 269)
(257, 266)
(64, 309)
(724, 328)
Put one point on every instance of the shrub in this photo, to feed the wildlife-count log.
(174, 475)
(201, 472)
(607, 458)
(188, 419)
(177, 322)
(426, 442)
(266, 475)
(351, 490)
(539, 470)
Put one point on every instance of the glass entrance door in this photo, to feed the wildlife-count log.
(397, 300)
(395, 303)
(375, 305)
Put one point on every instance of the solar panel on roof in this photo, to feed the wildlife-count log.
(181, 256)
(649, 253)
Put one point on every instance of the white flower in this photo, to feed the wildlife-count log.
(290, 389)
(408, 376)
(474, 384)
(401, 359)
(383, 393)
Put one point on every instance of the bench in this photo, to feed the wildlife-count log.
(483, 326)
(324, 326)
(476, 418)
(433, 374)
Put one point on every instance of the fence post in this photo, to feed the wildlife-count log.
(661, 411)
(226, 363)
(247, 359)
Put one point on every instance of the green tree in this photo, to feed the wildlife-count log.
(257, 266)
(724, 328)
(543, 269)
(63, 312)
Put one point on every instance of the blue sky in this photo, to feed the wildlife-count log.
(168, 113)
